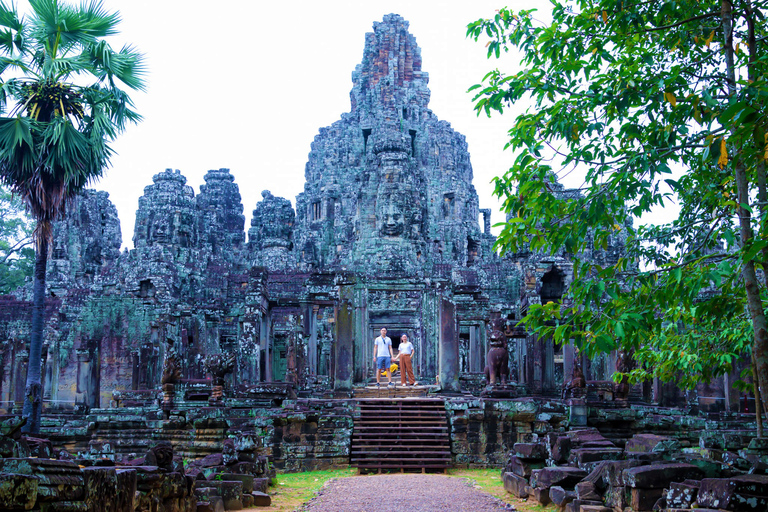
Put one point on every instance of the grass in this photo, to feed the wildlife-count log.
(489, 482)
(295, 489)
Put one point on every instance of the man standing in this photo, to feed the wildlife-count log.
(405, 357)
(382, 349)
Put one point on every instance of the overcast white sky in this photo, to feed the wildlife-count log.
(247, 85)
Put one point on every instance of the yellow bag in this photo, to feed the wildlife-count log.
(392, 369)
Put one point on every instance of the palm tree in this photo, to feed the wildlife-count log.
(64, 106)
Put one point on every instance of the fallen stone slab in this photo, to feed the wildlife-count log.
(246, 479)
(260, 484)
(740, 493)
(586, 490)
(560, 449)
(564, 476)
(17, 491)
(644, 442)
(587, 455)
(682, 495)
(659, 476)
(536, 451)
(575, 505)
(261, 499)
(216, 504)
(644, 498)
(560, 496)
(540, 494)
(515, 485)
(595, 508)
(523, 468)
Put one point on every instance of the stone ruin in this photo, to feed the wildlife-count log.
(239, 358)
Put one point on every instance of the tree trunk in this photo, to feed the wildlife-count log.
(754, 302)
(33, 396)
(751, 285)
(758, 398)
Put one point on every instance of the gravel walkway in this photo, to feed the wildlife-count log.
(402, 493)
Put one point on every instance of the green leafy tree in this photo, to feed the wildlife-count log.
(63, 104)
(17, 258)
(655, 103)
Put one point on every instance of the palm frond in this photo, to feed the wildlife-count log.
(18, 155)
(12, 39)
(61, 27)
(127, 65)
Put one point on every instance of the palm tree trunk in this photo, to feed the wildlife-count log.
(33, 397)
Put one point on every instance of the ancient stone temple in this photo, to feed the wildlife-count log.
(197, 335)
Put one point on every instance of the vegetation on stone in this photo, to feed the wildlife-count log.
(658, 104)
(54, 140)
(17, 257)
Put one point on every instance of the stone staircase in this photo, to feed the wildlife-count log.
(400, 434)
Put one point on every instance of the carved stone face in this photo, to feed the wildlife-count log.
(391, 219)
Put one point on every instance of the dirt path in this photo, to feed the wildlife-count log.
(402, 493)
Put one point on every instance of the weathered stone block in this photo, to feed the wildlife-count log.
(523, 468)
(246, 479)
(586, 490)
(58, 480)
(682, 495)
(17, 492)
(644, 442)
(541, 495)
(643, 499)
(537, 451)
(515, 485)
(126, 490)
(740, 493)
(564, 476)
(659, 476)
(560, 496)
(261, 499)
(260, 484)
(100, 488)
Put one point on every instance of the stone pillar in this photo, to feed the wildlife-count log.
(20, 363)
(312, 310)
(548, 376)
(449, 348)
(83, 377)
(345, 339)
(265, 340)
(363, 348)
(475, 351)
(569, 353)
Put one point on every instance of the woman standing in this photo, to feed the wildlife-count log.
(405, 357)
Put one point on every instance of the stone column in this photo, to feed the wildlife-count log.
(449, 348)
(311, 323)
(475, 351)
(20, 363)
(548, 377)
(83, 376)
(569, 353)
(345, 339)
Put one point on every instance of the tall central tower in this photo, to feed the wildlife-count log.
(389, 186)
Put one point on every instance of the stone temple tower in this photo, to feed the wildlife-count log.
(389, 186)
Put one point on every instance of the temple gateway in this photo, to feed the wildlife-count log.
(255, 354)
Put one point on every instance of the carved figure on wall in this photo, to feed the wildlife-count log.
(391, 216)
(575, 387)
(160, 455)
(172, 364)
(219, 366)
(624, 364)
(229, 452)
(497, 360)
